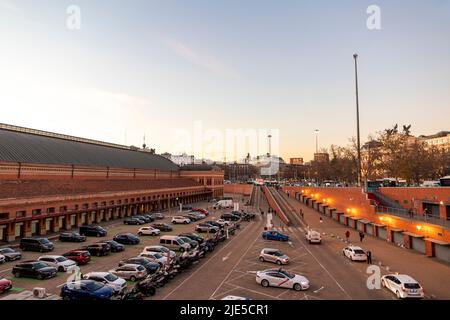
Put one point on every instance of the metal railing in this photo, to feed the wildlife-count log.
(410, 215)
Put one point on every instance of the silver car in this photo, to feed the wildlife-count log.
(130, 271)
(273, 255)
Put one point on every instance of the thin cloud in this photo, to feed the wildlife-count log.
(8, 5)
(203, 60)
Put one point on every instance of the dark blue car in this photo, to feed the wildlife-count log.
(86, 290)
(274, 235)
(126, 238)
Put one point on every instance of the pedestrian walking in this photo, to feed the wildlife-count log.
(361, 236)
(301, 213)
(320, 219)
(369, 257)
(347, 235)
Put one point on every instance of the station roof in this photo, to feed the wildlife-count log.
(32, 146)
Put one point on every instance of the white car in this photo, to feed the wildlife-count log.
(224, 222)
(234, 298)
(111, 280)
(148, 231)
(402, 285)
(160, 249)
(155, 256)
(354, 253)
(313, 236)
(62, 264)
(2, 258)
(130, 271)
(181, 219)
(273, 255)
(281, 279)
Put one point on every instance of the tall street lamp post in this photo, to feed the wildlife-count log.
(358, 142)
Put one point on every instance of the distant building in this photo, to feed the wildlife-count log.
(181, 160)
(441, 140)
(321, 157)
(296, 161)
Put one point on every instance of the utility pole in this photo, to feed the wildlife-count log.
(317, 140)
(358, 142)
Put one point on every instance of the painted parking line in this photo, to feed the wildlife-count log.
(5, 270)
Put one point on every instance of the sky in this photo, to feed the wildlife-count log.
(197, 76)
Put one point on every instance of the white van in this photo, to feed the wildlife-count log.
(313, 236)
(223, 204)
(174, 243)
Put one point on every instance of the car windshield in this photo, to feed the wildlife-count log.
(113, 243)
(157, 255)
(6, 250)
(278, 253)
(40, 265)
(180, 241)
(44, 240)
(93, 286)
(140, 268)
(289, 275)
(359, 251)
(61, 259)
(412, 286)
(111, 277)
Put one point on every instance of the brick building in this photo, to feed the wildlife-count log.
(51, 182)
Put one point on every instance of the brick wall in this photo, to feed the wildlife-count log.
(244, 189)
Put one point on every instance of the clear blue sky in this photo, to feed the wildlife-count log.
(148, 67)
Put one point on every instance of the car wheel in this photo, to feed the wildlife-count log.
(67, 298)
(181, 249)
(151, 292)
(98, 235)
(140, 234)
(398, 295)
(61, 269)
(17, 274)
(98, 254)
(261, 259)
(279, 262)
(186, 222)
(133, 278)
(297, 287)
(40, 277)
(265, 283)
(383, 283)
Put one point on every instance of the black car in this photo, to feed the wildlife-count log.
(10, 254)
(126, 238)
(71, 237)
(186, 208)
(193, 236)
(133, 221)
(34, 269)
(93, 231)
(98, 249)
(36, 244)
(149, 216)
(114, 245)
(151, 267)
(144, 218)
(215, 224)
(229, 217)
(162, 226)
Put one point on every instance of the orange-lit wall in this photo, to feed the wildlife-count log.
(245, 189)
(360, 206)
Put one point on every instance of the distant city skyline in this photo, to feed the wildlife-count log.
(152, 68)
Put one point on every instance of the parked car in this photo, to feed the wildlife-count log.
(281, 279)
(215, 224)
(180, 220)
(151, 266)
(86, 290)
(148, 231)
(313, 236)
(34, 269)
(114, 245)
(98, 249)
(193, 243)
(149, 216)
(224, 223)
(186, 208)
(61, 263)
(111, 280)
(71, 237)
(354, 253)
(274, 235)
(144, 218)
(155, 256)
(160, 249)
(162, 226)
(158, 215)
(5, 285)
(2, 259)
(174, 243)
(81, 257)
(126, 238)
(195, 216)
(273, 255)
(201, 210)
(206, 227)
(93, 231)
(130, 271)
(230, 217)
(36, 244)
(402, 285)
(10, 254)
(133, 221)
(193, 236)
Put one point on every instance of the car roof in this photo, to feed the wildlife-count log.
(270, 249)
(355, 248)
(98, 274)
(50, 256)
(404, 278)
(130, 265)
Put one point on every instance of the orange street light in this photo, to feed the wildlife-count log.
(419, 228)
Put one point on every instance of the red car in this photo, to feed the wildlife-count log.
(201, 210)
(5, 285)
(79, 256)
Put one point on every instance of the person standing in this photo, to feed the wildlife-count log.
(320, 219)
(369, 257)
(361, 236)
(347, 235)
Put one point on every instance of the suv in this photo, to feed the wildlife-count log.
(79, 256)
(206, 227)
(148, 264)
(98, 249)
(62, 264)
(134, 221)
(71, 237)
(313, 236)
(230, 217)
(36, 244)
(93, 231)
(160, 249)
(114, 245)
(111, 280)
(126, 238)
(34, 269)
(174, 243)
(180, 219)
